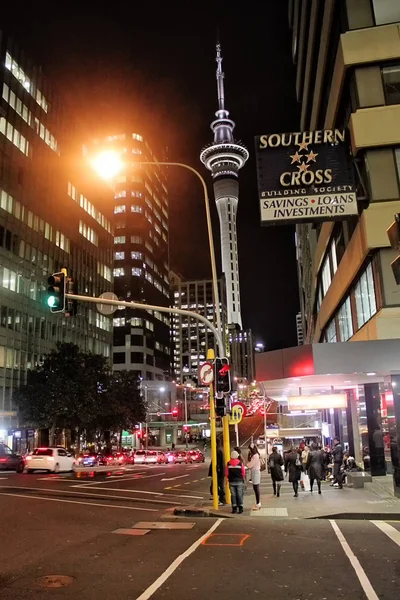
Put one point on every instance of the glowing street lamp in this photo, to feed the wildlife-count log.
(107, 164)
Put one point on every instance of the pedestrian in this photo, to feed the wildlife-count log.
(293, 467)
(173, 446)
(254, 465)
(315, 466)
(304, 481)
(239, 451)
(337, 454)
(220, 475)
(235, 474)
(275, 464)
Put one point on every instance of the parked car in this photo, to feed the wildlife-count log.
(10, 460)
(140, 457)
(177, 457)
(195, 456)
(155, 457)
(50, 459)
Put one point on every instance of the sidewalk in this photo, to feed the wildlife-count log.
(375, 501)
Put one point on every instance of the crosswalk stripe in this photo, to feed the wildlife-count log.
(389, 530)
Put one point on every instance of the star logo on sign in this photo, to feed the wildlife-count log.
(296, 157)
(303, 145)
(303, 167)
(311, 156)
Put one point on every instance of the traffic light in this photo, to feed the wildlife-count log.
(186, 428)
(56, 291)
(174, 412)
(220, 405)
(71, 306)
(394, 238)
(222, 376)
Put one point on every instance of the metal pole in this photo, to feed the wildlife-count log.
(186, 416)
(168, 309)
(265, 420)
(227, 452)
(147, 417)
(210, 234)
(211, 356)
(237, 434)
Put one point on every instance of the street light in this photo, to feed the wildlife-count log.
(107, 164)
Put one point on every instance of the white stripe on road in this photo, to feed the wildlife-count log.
(122, 478)
(40, 489)
(175, 564)
(355, 563)
(390, 531)
(121, 490)
(77, 502)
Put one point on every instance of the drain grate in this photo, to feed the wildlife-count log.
(54, 581)
(270, 512)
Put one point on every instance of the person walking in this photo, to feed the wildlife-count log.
(293, 466)
(235, 474)
(275, 464)
(337, 454)
(255, 467)
(315, 466)
(304, 480)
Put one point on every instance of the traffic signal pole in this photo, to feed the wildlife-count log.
(214, 475)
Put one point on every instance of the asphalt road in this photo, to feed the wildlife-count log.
(56, 525)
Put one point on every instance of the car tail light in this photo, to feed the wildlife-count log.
(28, 458)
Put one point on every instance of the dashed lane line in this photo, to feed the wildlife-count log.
(122, 478)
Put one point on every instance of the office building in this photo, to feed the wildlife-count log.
(299, 329)
(224, 157)
(141, 258)
(241, 347)
(191, 338)
(54, 213)
(344, 381)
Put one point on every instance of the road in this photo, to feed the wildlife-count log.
(60, 526)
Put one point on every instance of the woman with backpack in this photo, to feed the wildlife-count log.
(275, 464)
(294, 466)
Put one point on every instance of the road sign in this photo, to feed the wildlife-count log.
(107, 309)
(244, 407)
(236, 415)
(206, 373)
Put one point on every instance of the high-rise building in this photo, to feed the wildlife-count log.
(190, 337)
(224, 157)
(299, 329)
(241, 346)
(141, 259)
(54, 213)
(348, 77)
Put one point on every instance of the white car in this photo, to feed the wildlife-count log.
(49, 459)
(140, 457)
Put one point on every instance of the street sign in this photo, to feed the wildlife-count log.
(206, 373)
(236, 415)
(107, 309)
(244, 407)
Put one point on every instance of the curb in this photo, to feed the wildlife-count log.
(360, 516)
(199, 512)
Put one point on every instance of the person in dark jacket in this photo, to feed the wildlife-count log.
(293, 466)
(275, 464)
(315, 466)
(235, 474)
(337, 455)
(220, 475)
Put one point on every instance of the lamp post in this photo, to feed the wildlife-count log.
(186, 415)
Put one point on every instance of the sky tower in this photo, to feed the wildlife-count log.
(224, 157)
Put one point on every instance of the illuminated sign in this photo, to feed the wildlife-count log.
(305, 177)
(317, 401)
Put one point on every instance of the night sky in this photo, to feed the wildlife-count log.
(150, 67)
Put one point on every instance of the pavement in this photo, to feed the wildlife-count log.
(117, 538)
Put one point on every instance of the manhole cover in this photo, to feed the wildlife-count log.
(54, 581)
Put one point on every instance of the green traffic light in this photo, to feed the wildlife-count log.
(51, 301)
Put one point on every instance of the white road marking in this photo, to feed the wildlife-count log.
(390, 531)
(96, 495)
(77, 502)
(175, 564)
(122, 490)
(123, 478)
(355, 563)
(173, 478)
(3, 477)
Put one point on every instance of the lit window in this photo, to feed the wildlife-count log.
(345, 321)
(119, 272)
(119, 255)
(326, 275)
(119, 322)
(136, 136)
(136, 271)
(136, 194)
(120, 194)
(119, 209)
(137, 255)
(135, 208)
(365, 297)
(136, 322)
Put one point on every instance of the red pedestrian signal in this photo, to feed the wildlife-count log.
(174, 412)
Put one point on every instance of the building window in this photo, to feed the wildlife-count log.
(386, 11)
(391, 83)
(365, 297)
(136, 271)
(326, 275)
(331, 332)
(136, 322)
(137, 255)
(119, 255)
(119, 358)
(136, 136)
(345, 321)
(119, 272)
(120, 194)
(136, 239)
(119, 209)
(135, 208)
(119, 322)
(120, 239)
